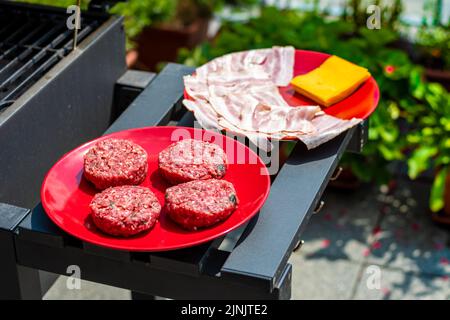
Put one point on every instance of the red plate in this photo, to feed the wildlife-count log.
(66, 194)
(360, 104)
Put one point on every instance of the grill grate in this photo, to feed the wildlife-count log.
(32, 40)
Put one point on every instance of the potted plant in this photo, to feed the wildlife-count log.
(431, 142)
(187, 27)
(138, 14)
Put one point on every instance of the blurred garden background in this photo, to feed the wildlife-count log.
(391, 205)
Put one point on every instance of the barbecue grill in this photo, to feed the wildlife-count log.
(250, 262)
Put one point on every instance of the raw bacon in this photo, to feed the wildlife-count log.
(239, 92)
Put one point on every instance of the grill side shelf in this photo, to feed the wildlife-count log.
(257, 261)
(17, 282)
(152, 107)
(182, 267)
(155, 104)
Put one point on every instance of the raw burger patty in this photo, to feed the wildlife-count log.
(115, 162)
(125, 211)
(201, 203)
(190, 159)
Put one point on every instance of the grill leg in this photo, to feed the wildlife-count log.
(17, 282)
(140, 296)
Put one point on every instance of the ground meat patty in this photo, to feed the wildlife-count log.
(200, 203)
(125, 211)
(190, 159)
(115, 162)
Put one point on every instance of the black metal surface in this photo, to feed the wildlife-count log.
(140, 296)
(294, 195)
(70, 103)
(128, 87)
(284, 285)
(37, 227)
(254, 265)
(10, 288)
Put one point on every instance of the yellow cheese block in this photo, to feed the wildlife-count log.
(332, 81)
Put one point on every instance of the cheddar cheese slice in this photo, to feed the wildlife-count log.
(331, 82)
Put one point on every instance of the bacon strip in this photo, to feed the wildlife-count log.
(328, 127)
(239, 92)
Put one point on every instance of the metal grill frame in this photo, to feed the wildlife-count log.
(28, 58)
(249, 263)
(70, 103)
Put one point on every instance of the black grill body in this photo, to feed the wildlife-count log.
(52, 98)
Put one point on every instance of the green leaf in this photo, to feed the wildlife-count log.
(394, 110)
(416, 77)
(438, 190)
(359, 168)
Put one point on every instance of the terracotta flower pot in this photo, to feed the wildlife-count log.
(440, 76)
(346, 181)
(131, 58)
(160, 43)
(447, 196)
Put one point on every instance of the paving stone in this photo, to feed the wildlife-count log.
(407, 238)
(322, 278)
(88, 291)
(342, 228)
(400, 285)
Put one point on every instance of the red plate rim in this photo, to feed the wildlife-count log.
(247, 217)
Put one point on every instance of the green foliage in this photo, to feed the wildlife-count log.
(138, 13)
(141, 13)
(437, 190)
(187, 11)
